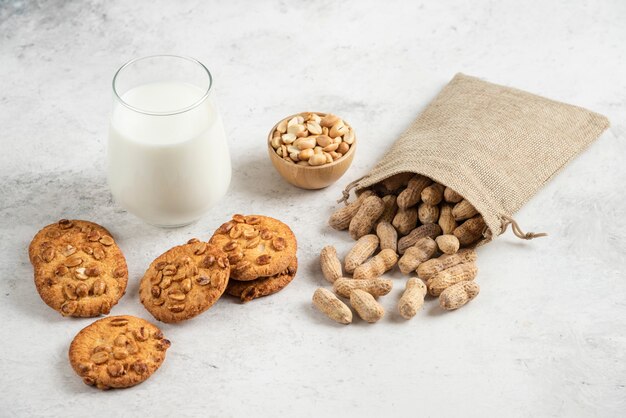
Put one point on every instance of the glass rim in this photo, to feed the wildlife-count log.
(168, 113)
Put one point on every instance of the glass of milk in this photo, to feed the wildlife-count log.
(168, 159)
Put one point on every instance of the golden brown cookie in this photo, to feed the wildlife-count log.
(257, 246)
(117, 352)
(184, 281)
(264, 286)
(79, 269)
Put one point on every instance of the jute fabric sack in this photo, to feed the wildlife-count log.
(495, 145)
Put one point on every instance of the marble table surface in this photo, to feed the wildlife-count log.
(546, 336)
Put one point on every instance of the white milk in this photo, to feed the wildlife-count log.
(168, 170)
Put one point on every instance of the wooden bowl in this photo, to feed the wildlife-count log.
(310, 177)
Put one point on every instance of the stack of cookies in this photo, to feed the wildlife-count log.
(81, 272)
(261, 252)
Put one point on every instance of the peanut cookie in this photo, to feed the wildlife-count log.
(257, 246)
(184, 281)
(79, 269)
(117, 352)
(264, 286)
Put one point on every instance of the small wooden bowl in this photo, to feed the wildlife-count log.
(310, 177)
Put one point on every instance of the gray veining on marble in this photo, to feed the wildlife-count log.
(547, 335)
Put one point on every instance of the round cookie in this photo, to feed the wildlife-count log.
(117, 352)
(257, 246)
(184, 281)
(264, 286)
(79, 269)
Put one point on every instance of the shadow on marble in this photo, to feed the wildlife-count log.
(319, 318)
(69, 381)
(435, 310)
(255, 176)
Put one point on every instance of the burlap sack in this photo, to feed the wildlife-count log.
(495, 145)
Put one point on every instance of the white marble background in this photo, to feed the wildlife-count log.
(546, 336)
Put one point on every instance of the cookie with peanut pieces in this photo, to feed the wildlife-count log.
(184, 281)
(117, 352)
(257, 246)
(79, 269)
(264, 286)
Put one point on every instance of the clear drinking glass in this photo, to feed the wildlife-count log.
(168, 159)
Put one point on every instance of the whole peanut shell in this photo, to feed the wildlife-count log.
(463, 210)
(376, 287)
(428, 230)
(365, 218)
(446, 220)
(458, 295)
(391, 208)
(433, 194)
(412, 194)
(361, 251)
(470, 231)
(387, 235)
(340, 219)
(405, 220)
(451, 276)
(412, 299)
(430, 268)
(448, 244)
(451, 196)
(330, 264)
(377, 265)
(413, 256)
(366, 306)
(428, 214)
(329, 304)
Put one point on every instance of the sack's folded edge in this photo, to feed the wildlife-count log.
(496, 222)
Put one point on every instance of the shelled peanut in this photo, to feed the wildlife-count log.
(312, 139)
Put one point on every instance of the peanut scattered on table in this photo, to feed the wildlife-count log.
(451, 276)
(377, 265)
(361, 251)
(430, 225)
(430, 268)
(458, 295)
(331, 306)
(423, 250)
(413, 298)
(366, 306)
(330, 264)
(375, 287)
